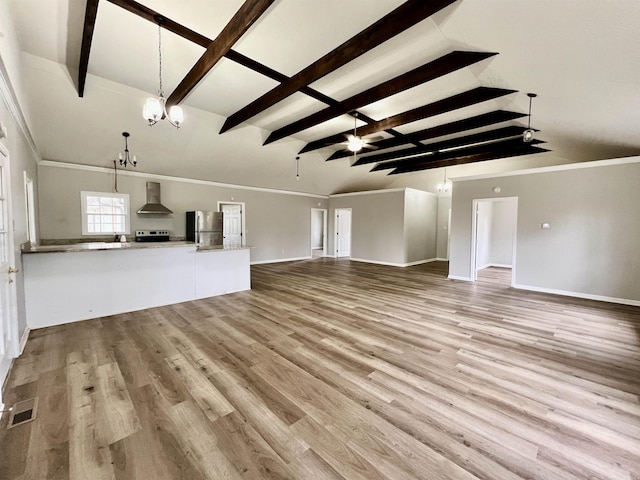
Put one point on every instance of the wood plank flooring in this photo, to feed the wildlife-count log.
(331, 369)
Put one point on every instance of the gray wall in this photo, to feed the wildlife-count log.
(277, 224)
(420, 225)
(317, 228)
(591, 248)
(503, 223)
(389, 226)
(442, 234)
(483, 234)
(377, 225)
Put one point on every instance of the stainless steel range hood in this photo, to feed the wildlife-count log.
(153, 204)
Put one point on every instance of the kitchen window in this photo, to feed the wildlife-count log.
(105, 213)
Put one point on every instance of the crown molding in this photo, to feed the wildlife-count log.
(154, 176)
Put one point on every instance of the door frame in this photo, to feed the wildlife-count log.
(337, 231)
(13, 347)
(474, 236)
(243, 217)
(324, 229)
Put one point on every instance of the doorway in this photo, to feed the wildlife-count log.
(494, 240)
(8, 298)
(233, 223)
(318, 232)
(343, 232)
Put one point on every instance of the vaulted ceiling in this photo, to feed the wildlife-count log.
(431, 84)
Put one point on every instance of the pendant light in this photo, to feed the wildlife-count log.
(527, 135)
(155, 109)
(445, 185)
(124, 157)
(297, 168)
(355, 143)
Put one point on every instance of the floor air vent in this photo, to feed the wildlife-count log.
(23, 412)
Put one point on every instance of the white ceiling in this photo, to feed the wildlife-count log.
(579, 56)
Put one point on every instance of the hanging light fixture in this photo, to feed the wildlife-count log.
(155, 109)
(445, 185)
(355, 143)
(297, 168)
(527, 135)
(124, 157)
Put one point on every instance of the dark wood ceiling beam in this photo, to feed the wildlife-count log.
(465, 99)
(90, 16)
(437, 68)
(483, 120)
(399, 20)
(458, 142)
(246, 16)
(430, 156)
(176, 28)
(481, 157)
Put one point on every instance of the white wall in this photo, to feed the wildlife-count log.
(591, 249)
(277, 224)
(503, 225)
(442, 233)
(483, 234)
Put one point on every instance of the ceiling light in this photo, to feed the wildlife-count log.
(124, 157)
(445, 186)
(297, 168)
(155, 109)
(355, 144)
(527, 135)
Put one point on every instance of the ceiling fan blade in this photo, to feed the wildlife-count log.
(369, 147)
(377, 138)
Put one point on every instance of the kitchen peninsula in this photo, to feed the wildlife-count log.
(68, 283)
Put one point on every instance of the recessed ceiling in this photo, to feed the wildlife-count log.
(578, 60)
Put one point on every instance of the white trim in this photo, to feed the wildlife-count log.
(458, 277)
(8, 95)
(498, 265)
(438, 259)
(280, 260)
(553, 168)
(588, 296)
(90, 168)
(392, 264)
(23, 340)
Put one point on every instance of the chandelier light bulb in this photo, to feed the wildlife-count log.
(355, 144)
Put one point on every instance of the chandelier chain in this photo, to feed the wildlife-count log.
(161, 92)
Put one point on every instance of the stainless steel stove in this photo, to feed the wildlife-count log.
(153, 235)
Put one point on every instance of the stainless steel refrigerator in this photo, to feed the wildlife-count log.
(204, 228)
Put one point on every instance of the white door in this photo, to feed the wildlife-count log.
(8, 314)
(343, 232)
(232, 224)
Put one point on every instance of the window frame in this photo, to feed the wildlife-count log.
(85, 215)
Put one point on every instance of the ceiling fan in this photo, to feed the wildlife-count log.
(356, 143)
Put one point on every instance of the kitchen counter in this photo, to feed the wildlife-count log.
(93, 246)
(124, 277)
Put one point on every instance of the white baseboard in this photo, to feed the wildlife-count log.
(441, 259)
(23, 340)
(588, 296)
(391, 264)
(280, 260)
(498, 265)
(457, 277)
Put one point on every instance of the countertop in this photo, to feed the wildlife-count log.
(93, 246)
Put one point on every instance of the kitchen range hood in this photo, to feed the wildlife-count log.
(153, 204)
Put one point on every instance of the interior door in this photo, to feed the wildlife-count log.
(343, 232)
(232, 224)
(8, 314)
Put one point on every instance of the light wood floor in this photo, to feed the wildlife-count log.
(336, 369)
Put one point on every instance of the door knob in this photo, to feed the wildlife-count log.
(13, 270)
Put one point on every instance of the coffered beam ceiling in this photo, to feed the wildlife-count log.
(470, 97)
(454, 143)
(466, 149)
(483, 120)
(174, 27)
(442, 66)
(246, 15)
(479, 153)
(405, 16)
